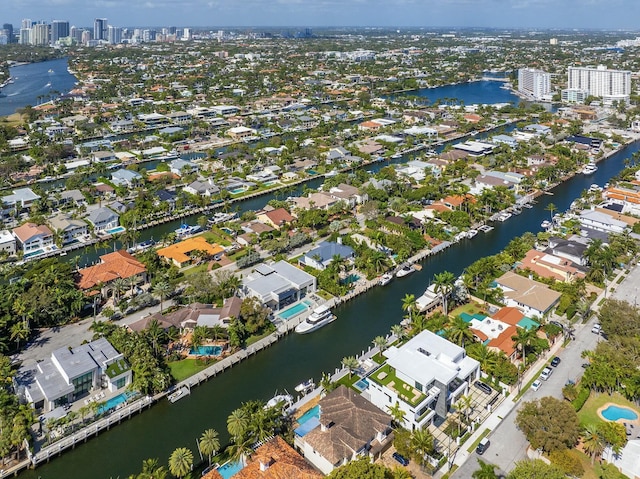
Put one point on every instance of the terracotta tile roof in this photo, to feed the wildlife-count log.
(279, 216)
(276, 460)
(179, 252)
(28, 230)
(509, 315)
(504, 342)
(118, 264)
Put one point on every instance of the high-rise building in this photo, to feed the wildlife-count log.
(59, 29)
(114, 35)
(100, 31)
(25, 36)
(8, 31)
(86, 37)
(533, 83)
(39, 34)
(610, 85)
(26, 23)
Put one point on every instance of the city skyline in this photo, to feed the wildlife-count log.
(517, 14)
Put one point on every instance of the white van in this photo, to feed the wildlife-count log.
(546, 372)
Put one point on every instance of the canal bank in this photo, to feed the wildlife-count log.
(157, 432)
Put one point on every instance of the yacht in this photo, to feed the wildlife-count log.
(321, 316)
(503, 216)
(405, 270)
(186, 230)
(179, 394)
(285, 399)
(385, 279)
(485, 228)
(545, 224)
(306, 386)
(471, 233)
(396, 156)
(589, 168)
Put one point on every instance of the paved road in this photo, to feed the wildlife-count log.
(508, 444)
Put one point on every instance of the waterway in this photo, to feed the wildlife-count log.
(35, 84)
(157, 432)
(477, 92)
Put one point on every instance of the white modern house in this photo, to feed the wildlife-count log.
(278, 284)
(71, 373)
(322, 256)
(32, 238)
(425, 376)
(598, 221)
(103, 219)
(20, 199)
(7, 242)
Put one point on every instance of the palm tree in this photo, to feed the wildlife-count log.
(398, 331)
(421, 444)
(444, 285)
(119, 286)
(592, 441)
(151, 469)
(181, 462)
(464, 404)
(132, 281)
(409, 305)
(326, 384)
(551, 208)
(397, 413)
(162, 289)
(351, 363)
(380, 342)
(522, 339)
(486, 471)
(459, 331)
(237, 423)
(156, 334)
(209, 443)
(19, 332)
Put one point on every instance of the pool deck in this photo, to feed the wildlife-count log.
(632, 422)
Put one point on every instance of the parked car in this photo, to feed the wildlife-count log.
(546, 373)
(536, 384)
(483, 387)
(483, 446)
(596, 328)
(555, 361)
(400, 458)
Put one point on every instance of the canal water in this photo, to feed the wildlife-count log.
(158, 431)
(35, 83)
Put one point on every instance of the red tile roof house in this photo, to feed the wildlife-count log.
(276, 218)
(32, 237)
(112, 266)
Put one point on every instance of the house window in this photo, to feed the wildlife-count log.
(120, 383)
(83, 383)
(418, 386)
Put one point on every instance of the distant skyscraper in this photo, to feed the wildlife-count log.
(59, 29)
(25, 36)
(186, 34)
(8, 31)
(114, 35)
(534, 83)
(86, 37)
(39, 34)
(611, 85)
(100, 31)
(26, 23)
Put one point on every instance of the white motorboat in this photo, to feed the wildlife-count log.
(306, 386)
(545, 224)
(184, 391)
(405, 270)
(471, 233)
(385, 279)
(285, 400)
(503, 216)
(485, 228)
(589, 168)
(321, 316)
(396, 156)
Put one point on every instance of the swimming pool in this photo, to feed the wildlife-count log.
(114, 401)
(352, 278)
(237, 191)
(362, 384)
(206, 351)
(613, 413)
(33, 253)
(314, 412)
(117, 229)
(293, 311)
(231, 468)
(312, 172)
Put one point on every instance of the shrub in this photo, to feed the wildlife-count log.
(569, 463)
(581, 398)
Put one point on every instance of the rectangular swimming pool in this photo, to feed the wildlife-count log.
(207, 351)
(113, 402)
(229, 469)
(117, 229)
(293, 311)
(314, 412)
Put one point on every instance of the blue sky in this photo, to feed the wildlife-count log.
(604, 14)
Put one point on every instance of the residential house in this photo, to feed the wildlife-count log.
(322, 256)
(505, 140)
(166, 196)
(348, 427)
(351, 195)
(531, 297)
(182, 167)
(425, 377)
(183, 253)
(550, 266)
(599, 221)
(68, 229)
(277, 217)
(202, 188)
(7, 242)
(337, 153)
(127, 178)
(20, 199)
(71, 197)
(568, 249)
(103, 156)
(240, 132)
(418, 170)
(32, 238)
(112, 266)
(71, 373)
(278, 284)
(320, 199)
(103, 219)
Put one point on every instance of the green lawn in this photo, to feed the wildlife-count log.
(186, 368)
(469, 308)
(349, 381)
(589, 412)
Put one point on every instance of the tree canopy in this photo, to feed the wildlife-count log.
(549, 424)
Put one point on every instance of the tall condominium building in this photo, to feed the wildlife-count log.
(39, 34)
(86, 37)
(100, 31)
(114, 35)
(25, 36)
(611, 85)
(534, 83)
(59, 29)
(26, 23)
(8, 31)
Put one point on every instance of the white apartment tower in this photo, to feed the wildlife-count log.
(611, 85)
(534, 83)
(114, 35)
